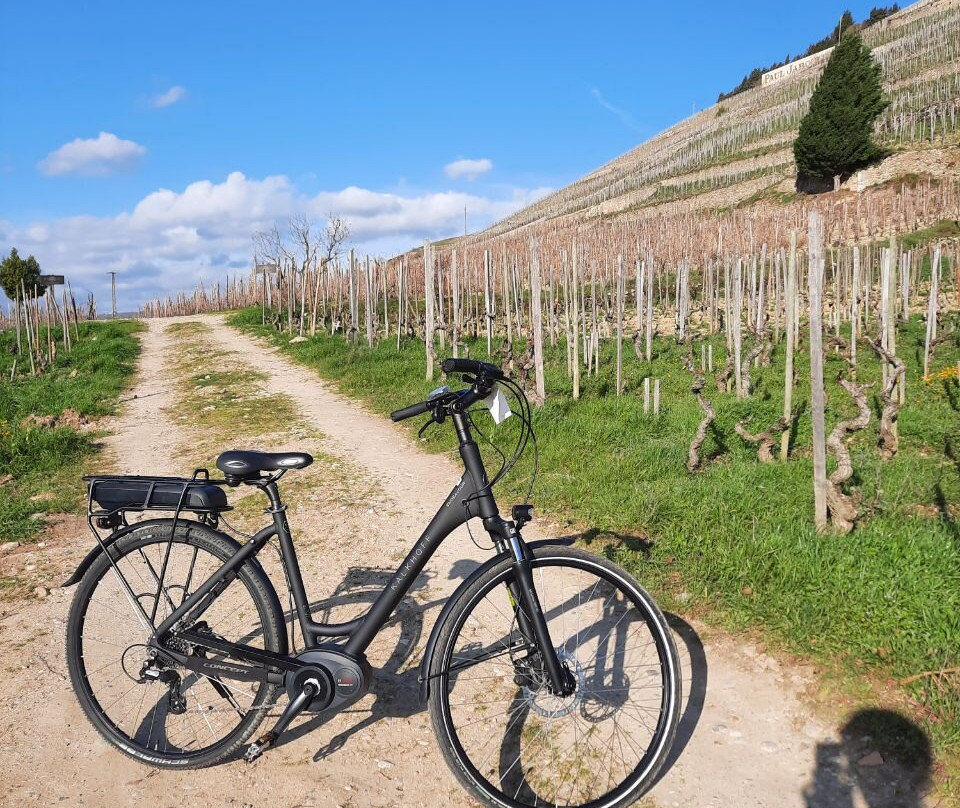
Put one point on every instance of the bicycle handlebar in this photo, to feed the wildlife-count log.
(486, 375)
(472, 366)
(411, 411)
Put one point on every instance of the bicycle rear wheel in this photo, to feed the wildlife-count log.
(180, 718)
(506, 737)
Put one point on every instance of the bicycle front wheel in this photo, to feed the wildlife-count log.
(506, 737)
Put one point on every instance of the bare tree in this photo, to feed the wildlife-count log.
(331, 240)
(334, 236)
(299, 227)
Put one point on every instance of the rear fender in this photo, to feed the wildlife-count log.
(113, 538)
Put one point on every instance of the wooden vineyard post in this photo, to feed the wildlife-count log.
(854, 312)
(891, 315)
(620, 324)
(353, 297)
(646, 395)
(817, 398)
(575, 287)
(369, 301)
(455, 292)
(737, 325)
(649, 301)
(536, 323)
(488, 313)
(931, 332)
(790, 312)
(401, 300)
(428, 305)
(639, 293)
(656, 396)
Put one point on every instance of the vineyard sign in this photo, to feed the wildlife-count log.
(773, 76)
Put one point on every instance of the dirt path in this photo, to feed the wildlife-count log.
(747, 737)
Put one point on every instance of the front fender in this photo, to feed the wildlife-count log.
(425, 664)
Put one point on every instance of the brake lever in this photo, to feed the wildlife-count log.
(433, 420)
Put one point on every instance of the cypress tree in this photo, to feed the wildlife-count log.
(14, 269)
(836, 135)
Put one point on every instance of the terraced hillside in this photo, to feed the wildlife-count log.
(742, 146)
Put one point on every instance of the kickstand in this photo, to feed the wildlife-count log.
(294, 708)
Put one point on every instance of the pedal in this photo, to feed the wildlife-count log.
(294, 708)
(259, 746)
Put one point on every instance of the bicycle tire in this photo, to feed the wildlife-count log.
(447, 669)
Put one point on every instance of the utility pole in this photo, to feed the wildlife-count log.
(113, 295)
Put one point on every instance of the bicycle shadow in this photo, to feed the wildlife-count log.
(882, 760)
(695, 689)
(395, 685)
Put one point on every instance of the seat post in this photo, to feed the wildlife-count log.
(272, 490)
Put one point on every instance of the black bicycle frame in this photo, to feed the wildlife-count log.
(470, 497)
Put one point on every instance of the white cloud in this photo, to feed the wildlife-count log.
(93, 157)
(169, 98)
(172, 239)
(467, 169)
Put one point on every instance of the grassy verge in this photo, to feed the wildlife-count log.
(44, 461)
(230, 407)
(736, 542)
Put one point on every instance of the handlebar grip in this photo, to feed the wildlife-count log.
(410, 412)
(471, 366)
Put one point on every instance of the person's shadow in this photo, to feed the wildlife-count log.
(882, 756)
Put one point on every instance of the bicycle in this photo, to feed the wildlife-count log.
(550, 675)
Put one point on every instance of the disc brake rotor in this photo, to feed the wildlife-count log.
(544, 703)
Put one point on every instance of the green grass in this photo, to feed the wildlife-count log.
(46, 462)
(883, 601)
(944, 229)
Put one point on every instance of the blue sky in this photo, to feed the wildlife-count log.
(153, 139)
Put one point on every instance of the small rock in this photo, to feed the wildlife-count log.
(873, 759)
(41, 544)
(298, 339)
(7, 546)
(30, 567)
(682, 597)
(73, 373)
(384, 764)
(747, 591)
(41, 592)
(5, 478)
(37, 516)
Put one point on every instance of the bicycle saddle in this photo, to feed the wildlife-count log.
(244, 465)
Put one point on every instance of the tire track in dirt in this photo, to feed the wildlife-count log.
(748, 736)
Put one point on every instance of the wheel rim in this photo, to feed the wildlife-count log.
(523, 746)
(166, 718)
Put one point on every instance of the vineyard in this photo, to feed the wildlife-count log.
(743, 144)
(695, 334)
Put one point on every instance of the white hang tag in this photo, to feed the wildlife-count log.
(498, 405)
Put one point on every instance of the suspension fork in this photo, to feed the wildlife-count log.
(523, 597)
